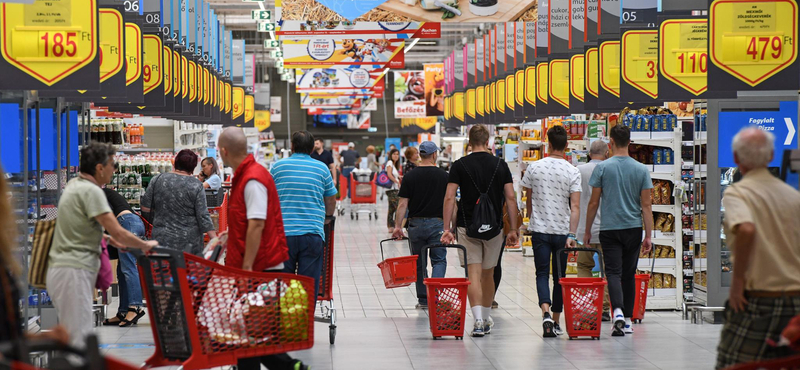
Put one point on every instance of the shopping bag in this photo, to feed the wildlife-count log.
(40, 253)
(383, 180)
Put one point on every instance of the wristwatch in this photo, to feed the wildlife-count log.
(572, 236)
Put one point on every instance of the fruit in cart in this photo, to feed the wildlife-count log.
(294, 312)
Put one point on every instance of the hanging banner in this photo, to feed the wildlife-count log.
(418, 125)
(753, 45)
(409, 94)
(250, 70)
(262, 120)
(558, 87)
(591, 75)
(337, 79)
(683, 58)
(609, 75)
(590, 29)
(542, 29)
(237, 66)
(327, 53)
(642, 12)
(542, 77)
(530, 91)
(576, 83)
(434, 89)
(249, 110)
(608, 17)
(558, 27)
(275, 109)
(639, 65)
(49, 44)
(577, 23)
(134, 84)
(301, 30)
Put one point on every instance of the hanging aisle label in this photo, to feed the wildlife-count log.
(609, 67)
(112, 29)
(167, 70)
(152, 69)
(530, 87)
(227, 98)
(192, 77)
(133, 52)
(591, 76)
(184, 77)
(576, 79)
(639, 65)
(683, 57)
(558, 86)
(754, 42)
(49, 40)
(249, 109)
(542, 76)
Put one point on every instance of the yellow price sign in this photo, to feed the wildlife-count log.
(184, 77)
(592, 73)
(133, 53)
(176, 74)
(500, 93)
(576, 80)
(609, 67)
(238, 102)
(519, 81)
(530, 85)
(228, 98)
(510, 89)
(49, 39)
(261, 120)
(490, 98)
(683, 58)
(481, 100)
(249, 108)
(471, 103)
(640, 60)
(458, 106)
(167, 70)
(542, 75)
(558, 83)
(221, 95)
(152, 64)
(192, 77)
(753, 40)
(206, 86)
(214, 94)
(112, 29)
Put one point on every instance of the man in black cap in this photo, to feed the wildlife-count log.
(422, 193)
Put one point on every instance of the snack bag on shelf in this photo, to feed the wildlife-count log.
(656, 192)
(666, 193)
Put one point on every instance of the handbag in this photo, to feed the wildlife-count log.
(104, 276)
(40, 252)
(383, 180)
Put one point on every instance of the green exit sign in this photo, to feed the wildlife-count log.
(279, 64)
(261, 15)
(271, 44)
(276, 54)
(266, 27)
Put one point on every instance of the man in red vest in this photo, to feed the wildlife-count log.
(256, 240)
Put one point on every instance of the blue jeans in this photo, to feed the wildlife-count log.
(130, 288)
(422, 232)
(305, 257)
(545, 247)
(346, 173)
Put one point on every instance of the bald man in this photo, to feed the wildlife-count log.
(761, 214)
(256, 239)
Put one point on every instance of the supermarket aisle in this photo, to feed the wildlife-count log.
(380, 329)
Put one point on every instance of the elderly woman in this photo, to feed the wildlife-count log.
(176, 202)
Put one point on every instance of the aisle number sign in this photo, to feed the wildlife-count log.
(558, 84)
(682, 53)
(576, 79)
(112, 29)
(592, 71)
(609, 67)
(640, 60)
(152, 68)
(49, 39)
(753, 40)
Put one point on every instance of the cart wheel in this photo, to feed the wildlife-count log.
(460, 338)
(376, 215)
(332, 334)
(435, 337)
(356, 216)
(370, 216)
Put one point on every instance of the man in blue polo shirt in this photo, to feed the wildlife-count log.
(307, 194)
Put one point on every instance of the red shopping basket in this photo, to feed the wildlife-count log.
(206, 315)
(447, 300)
(640, 300)
(398, 271)
(786, 363)
(583, 299)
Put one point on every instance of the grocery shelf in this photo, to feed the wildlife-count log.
(189, 132)
(669, 176)
(667, 143)
(665, 209)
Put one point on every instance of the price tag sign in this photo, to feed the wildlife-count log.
(261, 15)
(683, 57)
(192, 77)
(133, 52)
(519, 94)
(480, 98)
(530, 86)
(227, 98)
(262, 120)
(639, 64)
(112, 31)
(184, 77)
(152, 67)
(167, 70)
(249, 108)
(576, 79)
(542, 79)
(558, 85)
(271, 44)
(511, 88)
(48, 40)
(177, 80)
(591, 72)
(207, 84)
(754, 41)
(266, 27)
(609, 67)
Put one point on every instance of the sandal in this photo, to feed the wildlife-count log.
(119, 317)
(124, 323)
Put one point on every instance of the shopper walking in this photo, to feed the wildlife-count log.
(422, 194)
(176, 205)
(74, 260)
(130, 288)
(256, 239)
(349, 161)
(392, 166)
(598, 152)
(553, 190)
(210, 174)
(761, 214)
(324, 156)
(412, 157)
(372, 160)
(307, 195)
(484, 180)
(624, 186)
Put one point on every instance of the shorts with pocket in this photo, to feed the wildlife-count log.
(484, 252)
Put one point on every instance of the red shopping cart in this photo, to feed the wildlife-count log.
(325, 296)
(49, 354)
(583, 299)
(398, 271)
(205, 315)
(341, 198)
(447, 299)
(787, 363)
(640, 300)
(363, 194)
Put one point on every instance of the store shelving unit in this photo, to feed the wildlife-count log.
(193, 139)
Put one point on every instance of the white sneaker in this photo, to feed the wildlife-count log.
(619, 326)
(477, 328)
(557, 329)
(487, 327)
(628, 329)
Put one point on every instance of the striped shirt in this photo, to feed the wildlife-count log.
(303, 183)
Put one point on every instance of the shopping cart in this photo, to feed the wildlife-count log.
(398, 271)
(583, 299)
(39, 354)
(325, 296)
(219, 210)
(205, 315)
(640, 300)
(341, 199)
(786, 363)
(364, 194)
(447, 299)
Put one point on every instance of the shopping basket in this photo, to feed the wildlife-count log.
(51, 354)
(328, 311)
(398, 271)
(786, 363)
(447, 299)
(205, 315)
(640, 300)
(583, 299)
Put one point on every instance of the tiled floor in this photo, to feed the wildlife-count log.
(380, 329)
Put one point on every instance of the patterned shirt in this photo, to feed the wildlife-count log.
(180, 214)
(302, 184)
(551, 181)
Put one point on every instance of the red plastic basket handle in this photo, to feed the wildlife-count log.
(424, 252)
(568, 250)
(391, 240)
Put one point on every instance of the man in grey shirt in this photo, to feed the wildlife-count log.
(349, 160)
(598, 152)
